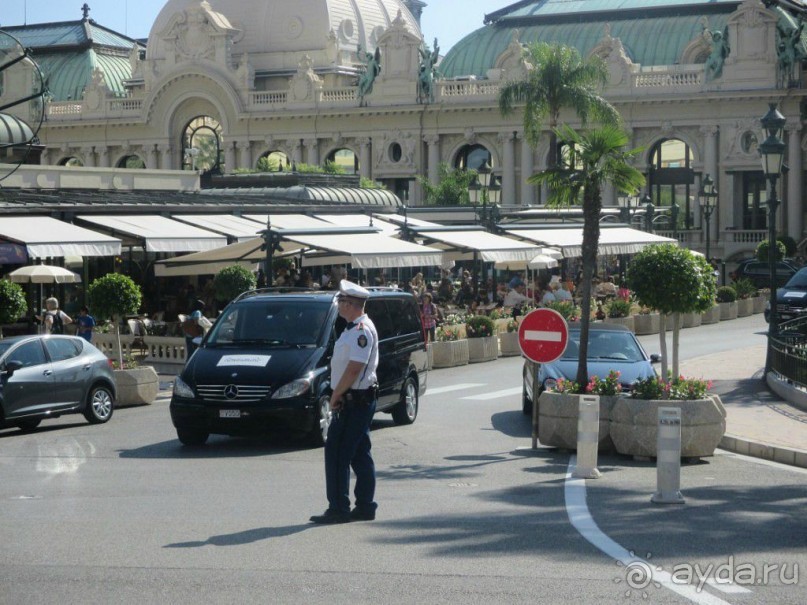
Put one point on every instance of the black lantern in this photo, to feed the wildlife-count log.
(649, 211)
(708, 195)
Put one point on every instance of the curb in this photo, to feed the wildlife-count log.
(765, 451)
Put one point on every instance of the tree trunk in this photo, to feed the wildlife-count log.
(591, 239)
(116, 319)
(662, 335)
(676, 328)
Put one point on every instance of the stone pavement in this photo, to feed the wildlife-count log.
(758, 423)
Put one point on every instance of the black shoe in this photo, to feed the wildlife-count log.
(330, 517)
(362, 515)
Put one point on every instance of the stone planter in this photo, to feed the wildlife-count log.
(745, 307)
(634, 426)
(450, 354)
(759, 304)
(501, 325)
(628, 322)
(712, 316)
(485, 348)
(691, 320)
(646, 324)
(137, 386)
(728, 310)
(557, 420)
(508, 344)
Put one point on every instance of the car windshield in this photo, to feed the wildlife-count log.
(605, 344)
(270, 323)
(4, 346)
(799, 280)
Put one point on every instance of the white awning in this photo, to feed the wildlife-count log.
(157, 233)
(230, 225)
(492, 248)
(613, 240)
(288, 221)
(400, 219)
(359, 220)
(43, 236)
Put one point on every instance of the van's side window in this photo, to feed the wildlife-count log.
(410, 318)
(382, 318)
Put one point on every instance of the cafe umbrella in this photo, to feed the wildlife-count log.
(43, 274)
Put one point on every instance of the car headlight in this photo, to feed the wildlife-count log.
(295, 388)
(181, 389)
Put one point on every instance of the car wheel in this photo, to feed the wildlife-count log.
(28, 425)
(192, 436)
(406, 409)
(526, 402)
(322, 421)
(99, 405)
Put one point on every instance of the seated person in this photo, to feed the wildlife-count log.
(607, 288)
(561, 292)
(547, 295)
(517, 297)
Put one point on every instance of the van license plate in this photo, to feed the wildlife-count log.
(229, 413)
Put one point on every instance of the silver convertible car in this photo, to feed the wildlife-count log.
(610, 347)
(45, 376)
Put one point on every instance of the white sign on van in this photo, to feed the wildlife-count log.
(257, 361)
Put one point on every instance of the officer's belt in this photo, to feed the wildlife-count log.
(361, 396)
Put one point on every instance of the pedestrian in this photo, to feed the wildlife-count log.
(85, 324)
(54, 319)
(194, 328)
(353, 402)
(430, 314)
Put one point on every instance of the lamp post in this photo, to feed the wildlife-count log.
(486, 189)
(708, 194)
(772, 152)
(674, 210)
(630, 203)
(649, 210)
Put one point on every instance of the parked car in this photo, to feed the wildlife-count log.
(610, 347)
(759, 272)
(791, 300)
(264, 365)
(45, 376)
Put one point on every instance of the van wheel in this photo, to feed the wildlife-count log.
(322, 421)
(192, 436)
(99, 405)
(29, 424)
(406, 410)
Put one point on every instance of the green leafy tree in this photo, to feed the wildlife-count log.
(790, 244)
(367, 183)
(762, 250)
(560, 79)
(673, 280)
(232, 281)
(12, 303)
(451, 190)
(113, 296)
(600, 158)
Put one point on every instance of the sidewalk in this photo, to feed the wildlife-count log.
(758, 422)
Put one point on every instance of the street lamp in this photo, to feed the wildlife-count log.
(649, 211)
(708, 194)
(630, 203)
(772, 152)
(485, 188)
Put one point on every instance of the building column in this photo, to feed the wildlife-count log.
(151, 156)
(724, 212)
(433, 161)
(103, 156)
(507, 141)
(527, 169)
(793, 217)
(365, 163)
(245, 149)
(297, 152)
(88, 156)
(166, 162)
(312, 152)
(229, 157)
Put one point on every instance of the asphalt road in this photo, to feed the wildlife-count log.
(121, 513)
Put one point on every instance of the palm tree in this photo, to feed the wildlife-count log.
(599, 158)
(560, 78)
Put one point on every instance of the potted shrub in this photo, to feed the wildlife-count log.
(646, 321)
(761, 299)
(483, 343)
(618, 311)
(508, 340)
(12, 303)
(448, 349)
(727, 299)
(745, 290)
(567, 309)
(113, 296)
(232, 281)
(634, 420)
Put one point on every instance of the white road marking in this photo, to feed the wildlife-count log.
(543, 335)
(453, 387)
(495, 394)
(580, 518)
(727, 587)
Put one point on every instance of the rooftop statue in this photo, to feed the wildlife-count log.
(789, 50)
(427, 72)
(720, 50)
(373, 68)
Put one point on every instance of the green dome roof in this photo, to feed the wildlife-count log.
(653, 32)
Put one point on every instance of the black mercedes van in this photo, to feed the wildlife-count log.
(264, 365)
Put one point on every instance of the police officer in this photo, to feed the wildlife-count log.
(353, 403)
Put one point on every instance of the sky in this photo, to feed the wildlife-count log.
(447, 20)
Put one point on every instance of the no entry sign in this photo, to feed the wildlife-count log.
(543, 335)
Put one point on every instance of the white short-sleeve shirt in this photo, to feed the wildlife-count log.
(358, 342)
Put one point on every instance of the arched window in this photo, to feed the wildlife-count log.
(131, 161)
(201, 145)
(344, 159)
(273, 161)
(471, 157)
(671, 180)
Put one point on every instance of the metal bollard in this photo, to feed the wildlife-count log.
(588, 437)
(668, 457)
